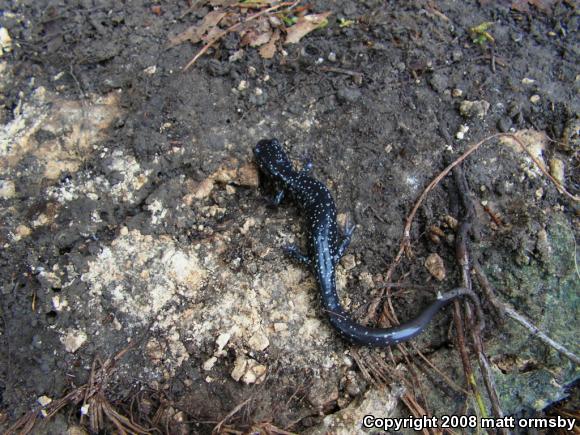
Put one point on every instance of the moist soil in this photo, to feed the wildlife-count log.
(133, 217)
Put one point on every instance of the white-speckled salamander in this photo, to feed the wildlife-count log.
(325, 248)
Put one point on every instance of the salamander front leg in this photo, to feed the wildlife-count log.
(348, 230)
(307, 166)
(294, 252)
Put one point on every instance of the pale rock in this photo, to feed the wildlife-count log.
(435, 266)
(73, 340)
(259, 341)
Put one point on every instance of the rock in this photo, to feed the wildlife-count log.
(202, 189)
(5, 41)
(44, 400)
(248, 370)
(456, 93)
(348, 262)
(7, 189)
(259, 97)
(239, 368)
(208, 365)
(461, 132)
(255, 373)
(347, 421)
(472, 109)
(535, 99)
(259, 341)
(439, 82)
(21, 232)
(534, 141)
(73, 340)
(222, 340)
(435, 266)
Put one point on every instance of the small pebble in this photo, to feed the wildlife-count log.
(455, 93)
(472, 109)
(348, 262)
(534, 99)
(434, 264)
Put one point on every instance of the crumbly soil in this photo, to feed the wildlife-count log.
(131, 213)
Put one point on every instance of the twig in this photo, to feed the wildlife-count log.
(508, 310)
(217, 429)
(558, 185)
(358, 76)
(234, 27)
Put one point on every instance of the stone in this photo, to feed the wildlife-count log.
(474, 109)
(435, 266)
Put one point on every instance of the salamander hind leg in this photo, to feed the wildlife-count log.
(294, 252)
(347, 236)
(277, 198)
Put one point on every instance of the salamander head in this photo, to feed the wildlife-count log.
(272, 159)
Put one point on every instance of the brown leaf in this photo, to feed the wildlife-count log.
(304, 26)
(267, 51)
(256, 34)
(196, 32)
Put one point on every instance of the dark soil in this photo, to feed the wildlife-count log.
(376, 142)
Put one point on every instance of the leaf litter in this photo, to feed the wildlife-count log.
(267, 24)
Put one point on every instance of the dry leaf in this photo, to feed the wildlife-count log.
(258, 33)
(268, 50)
(195, 33)
(304, 26)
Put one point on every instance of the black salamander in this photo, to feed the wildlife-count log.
(326, 246)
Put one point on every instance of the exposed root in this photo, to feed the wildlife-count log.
(463, 257)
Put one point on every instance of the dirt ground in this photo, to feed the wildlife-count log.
(142, 276)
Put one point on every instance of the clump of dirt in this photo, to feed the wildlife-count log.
(134, 222)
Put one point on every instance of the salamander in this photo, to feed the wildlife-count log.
(326, 245)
